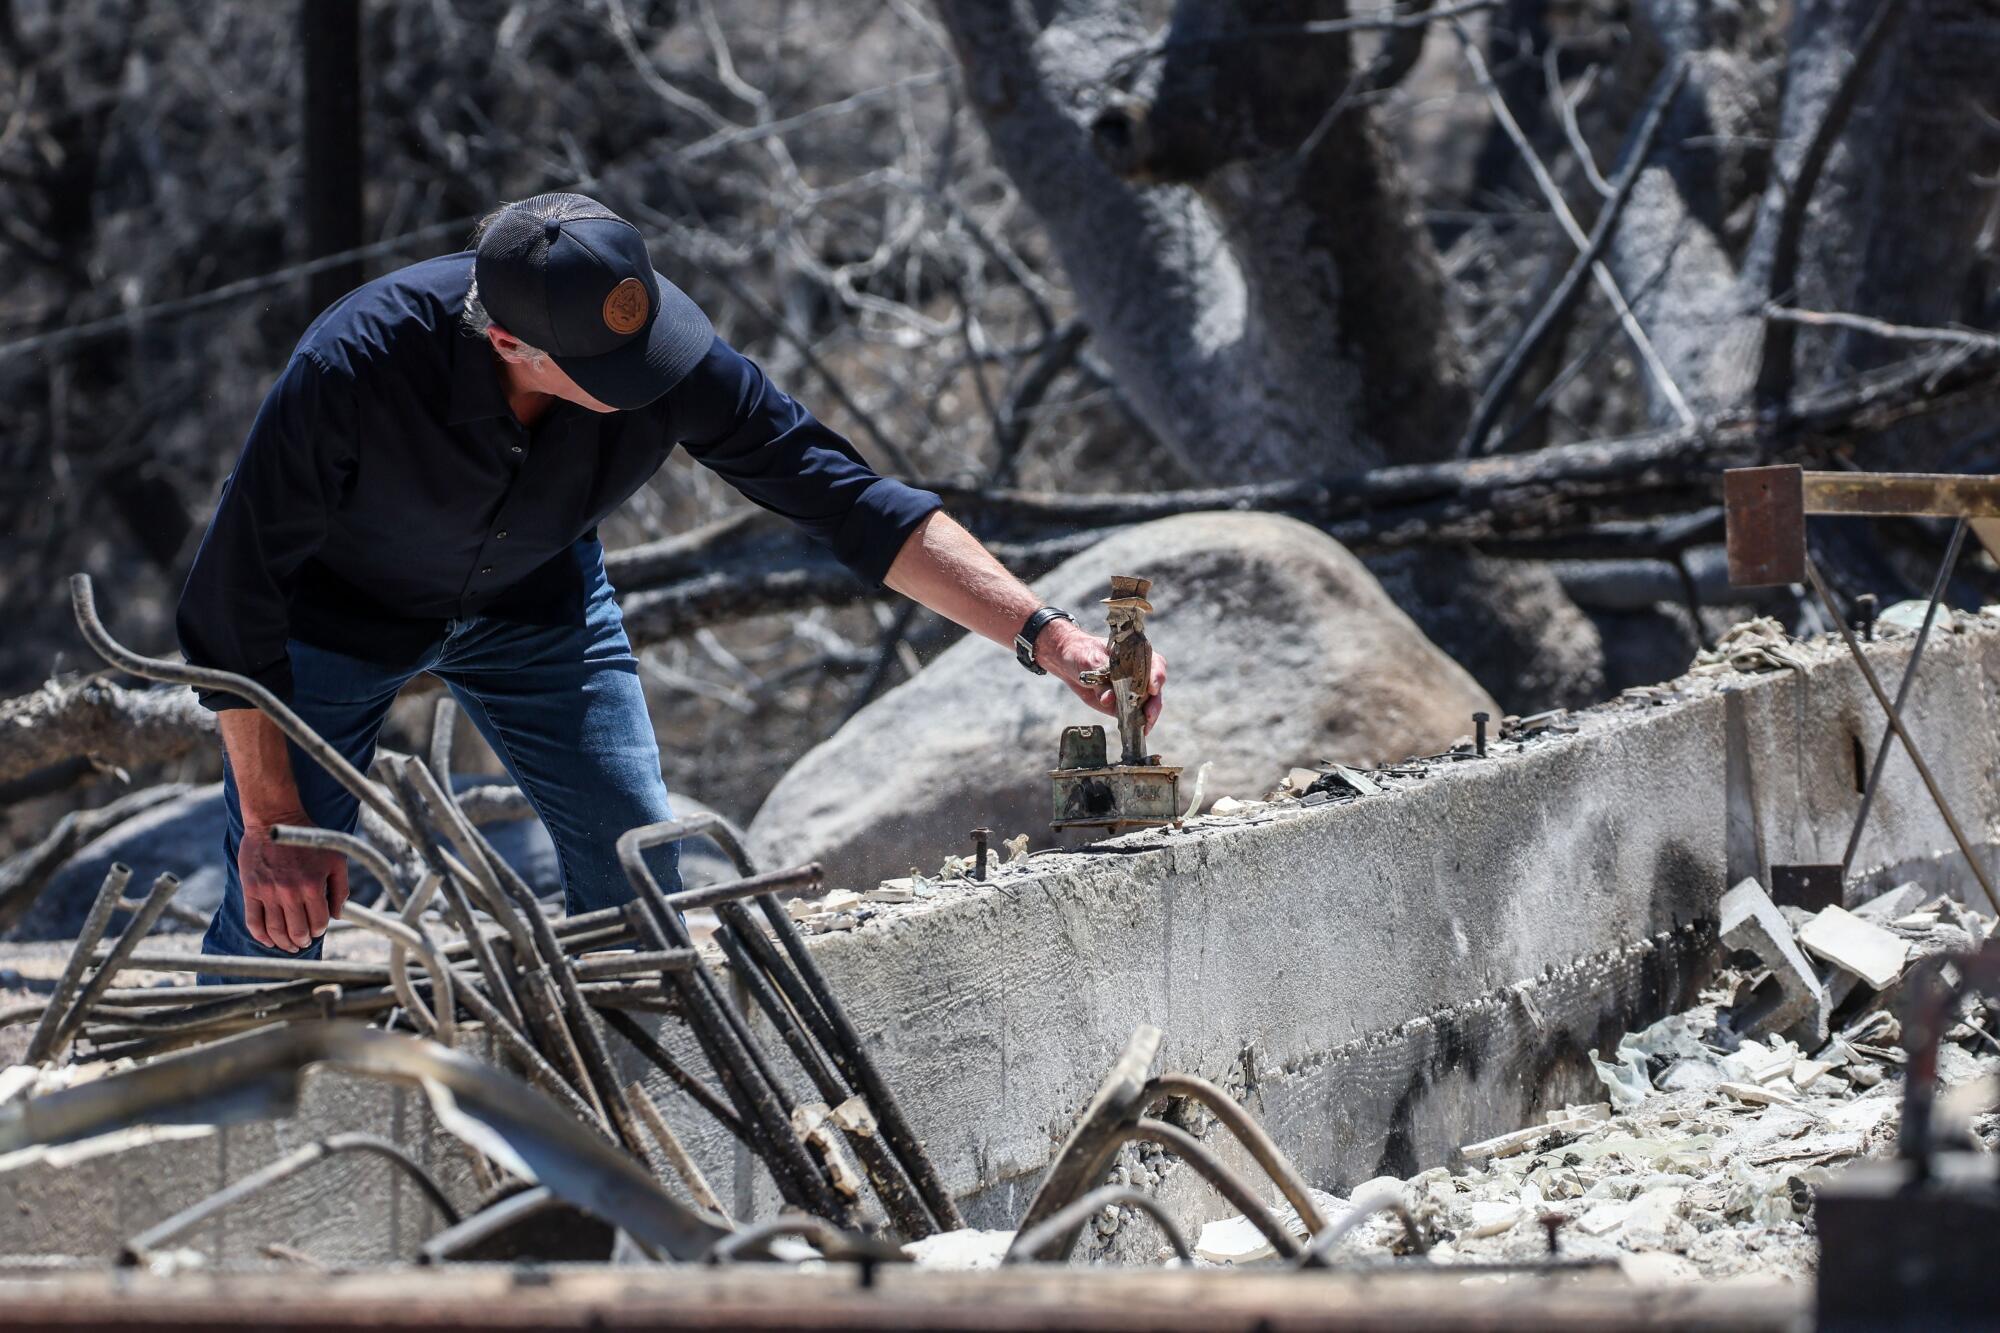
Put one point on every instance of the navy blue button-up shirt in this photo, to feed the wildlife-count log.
(387, 488)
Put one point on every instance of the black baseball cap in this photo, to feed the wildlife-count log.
(566, 274)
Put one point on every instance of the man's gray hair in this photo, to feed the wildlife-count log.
(474, 319)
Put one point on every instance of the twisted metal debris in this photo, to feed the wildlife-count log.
(224, 1051)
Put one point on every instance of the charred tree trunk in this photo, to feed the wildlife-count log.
(1245, 248)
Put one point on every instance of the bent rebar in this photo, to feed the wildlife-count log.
(642, 1041)
(83, 600)
(1226, 1182)
(1317, 1254)
(440, 1017)
(1248, 1133)
(405, 935)
(357, 849)
(137, 1249)
(1030, 1244)
(462, 1235)
(762, 1102)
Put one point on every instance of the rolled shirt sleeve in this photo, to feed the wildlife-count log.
(730, 418)
(271, 518)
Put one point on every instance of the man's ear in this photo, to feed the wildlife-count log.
(503, 342)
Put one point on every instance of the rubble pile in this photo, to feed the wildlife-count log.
(1718, 1123)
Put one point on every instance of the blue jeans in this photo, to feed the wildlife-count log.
(560, 705)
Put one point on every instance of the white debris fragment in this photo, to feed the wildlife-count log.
(1626, 1079)
(1506, 1145)
(1893, 905)
(1237, 1240)
(960, 1251)
(1755, 1094)
(1863, 948)
(15, 1080)
(1491, 1217)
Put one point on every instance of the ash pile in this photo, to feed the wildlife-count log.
(1720, 1126)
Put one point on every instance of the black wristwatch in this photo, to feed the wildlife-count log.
(1024, 642)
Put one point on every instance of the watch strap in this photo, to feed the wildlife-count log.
(1024, 642)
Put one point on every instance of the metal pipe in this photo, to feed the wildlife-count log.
(1031, 1243)
(137, 1249)
(1902, 732)
(656, 1055)
(1938, 586)
(1323, 1244)
(142, 921)
(42, 1045)
(761, 1101)
(859, 1070)
(440, 1021)
(486, 1223)
(808, 876)
(1248, 1133)
(1210, 1168)
(83, 601)
(644, 962)
(891, 1184)
(244, 965)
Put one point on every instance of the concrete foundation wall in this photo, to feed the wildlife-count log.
(1380, 980)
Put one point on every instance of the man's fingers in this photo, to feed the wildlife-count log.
(313, 901)
(337, 884)
(253, 917)
(297, 935)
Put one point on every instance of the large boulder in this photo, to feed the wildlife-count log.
(1282, 650)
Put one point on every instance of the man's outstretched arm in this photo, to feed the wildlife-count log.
(945, 568)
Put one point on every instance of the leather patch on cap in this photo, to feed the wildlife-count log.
(625, 309)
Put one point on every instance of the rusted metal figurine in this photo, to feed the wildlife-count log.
(1138, 790)
(1130, 673)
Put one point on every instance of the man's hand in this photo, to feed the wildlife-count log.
(288, 892)
(945, 568)
(1068, 653)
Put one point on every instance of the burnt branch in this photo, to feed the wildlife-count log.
(114, 727)
(1500, 389)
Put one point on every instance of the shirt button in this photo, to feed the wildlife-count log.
(513, 448)
(500, 536)
(487, 570)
